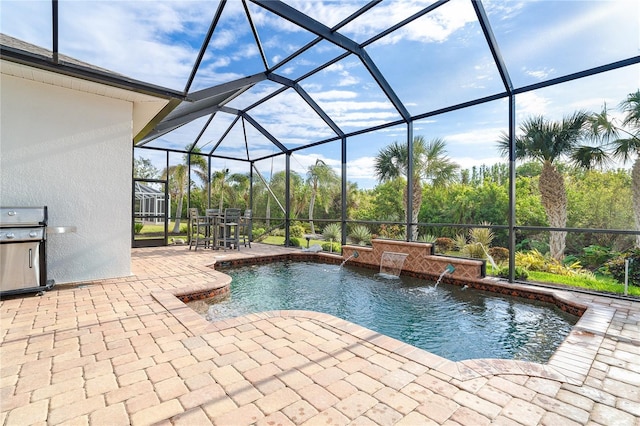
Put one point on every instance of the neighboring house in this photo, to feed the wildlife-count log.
(66, 141)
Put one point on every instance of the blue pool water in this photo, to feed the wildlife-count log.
(450, 321)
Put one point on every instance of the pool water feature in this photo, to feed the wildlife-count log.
(449, 321)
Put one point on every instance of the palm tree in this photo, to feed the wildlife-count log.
(322, 180)
(430, 166)
(218, 185)
(548, 142)
(178, 177)
(629, 146)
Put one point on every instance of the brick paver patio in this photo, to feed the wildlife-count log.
(127, 351)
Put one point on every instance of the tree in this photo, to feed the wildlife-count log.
(430, 166)
(548, 142)
(322, 181)
(144, 169)
(178, 177)
(629, 146)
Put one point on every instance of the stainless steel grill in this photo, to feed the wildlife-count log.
(23, 260)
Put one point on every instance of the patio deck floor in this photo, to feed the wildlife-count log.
(126, 351)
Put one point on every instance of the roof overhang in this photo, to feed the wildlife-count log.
(150, 103)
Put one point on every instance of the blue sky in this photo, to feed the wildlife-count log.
(439, 60)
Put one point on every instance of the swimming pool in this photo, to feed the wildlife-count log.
(449, 321)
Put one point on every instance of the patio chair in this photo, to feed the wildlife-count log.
(198, 229)
(228, 229)
(212, 217)
(246, 226)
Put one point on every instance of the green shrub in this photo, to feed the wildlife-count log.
(531, 244)
(445, 244)
(295, 242)
(137, 227)
(360, 235)
(392, 232)
(257, 232)
(332, 231)
(615, 267)
(296, 231)
(427, 238)
(520, 273)
(460, 241)
(594, 256)
(535, 261)
(332, 247)
(499, 254)
(482, 236)
(184, 229)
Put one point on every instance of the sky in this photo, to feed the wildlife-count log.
(439, 60)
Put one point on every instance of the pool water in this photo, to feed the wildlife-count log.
(449, 321)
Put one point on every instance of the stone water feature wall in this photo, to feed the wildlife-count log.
(421, 260)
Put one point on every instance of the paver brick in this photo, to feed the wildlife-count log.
(218, 407)
(330, 416)
(523, 412)
(356, 404)
(364, 382)
(71, 411)
(382, 414)
(554, 419)
(246, 415)
(201, 396)
(142, 401)
(477, 404)
(192, 417)
(294, 379)
(317, 396)
(100, 385)
(28, 414)
(299, 411)
(128, 392)
(170, 388)
(111, 415)
(567, 410)
(396, 400)
(276, 418)
(277, 400)
(157, 413)
(242, 392)
(468, 417)
(437, 408)
(607, 415)
(32, 382)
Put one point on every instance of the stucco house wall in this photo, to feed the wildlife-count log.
(71, 151)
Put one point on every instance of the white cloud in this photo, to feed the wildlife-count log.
(531, 103)
(361, 168)
(539, 74)
(436, 26)
(222, 39)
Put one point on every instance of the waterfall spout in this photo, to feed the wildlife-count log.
(391, 264)
(354, 255)
(449, 269)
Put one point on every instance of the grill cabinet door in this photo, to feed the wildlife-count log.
(19, 265)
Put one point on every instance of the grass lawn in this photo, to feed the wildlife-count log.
(279, 241)
(606, 284)
(601, 283)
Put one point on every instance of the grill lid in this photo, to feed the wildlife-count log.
(23, 216)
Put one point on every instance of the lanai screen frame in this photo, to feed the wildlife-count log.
(185, 106)
(324, 33)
